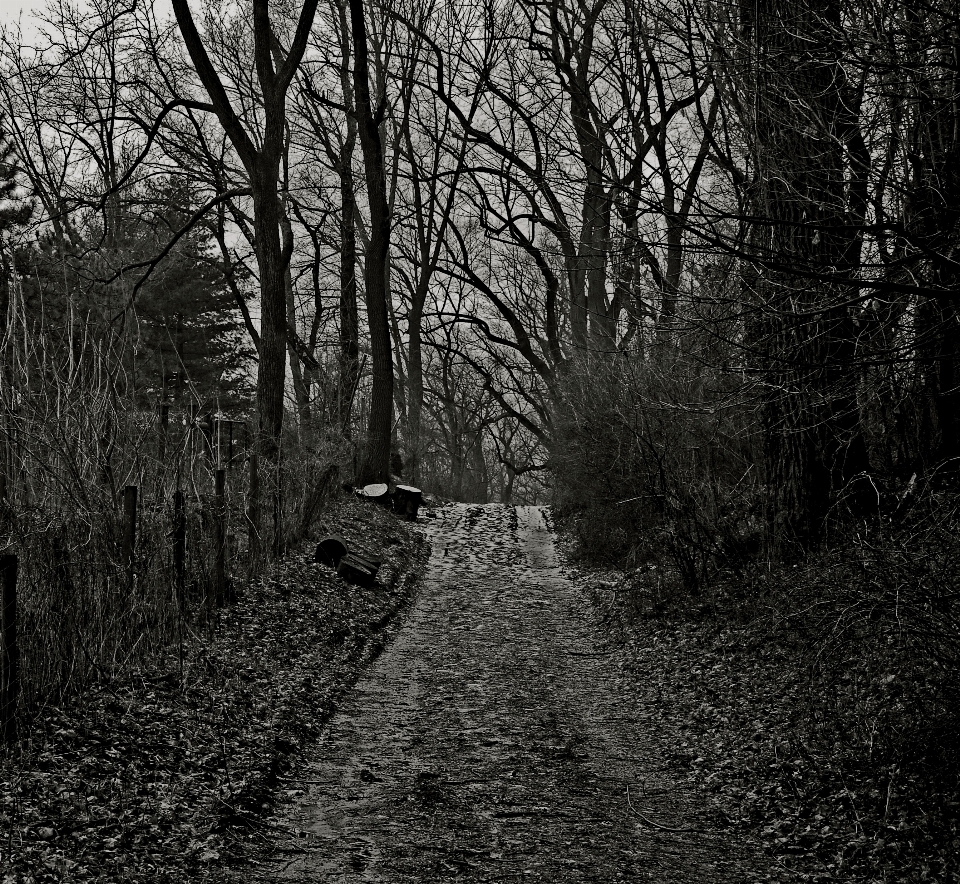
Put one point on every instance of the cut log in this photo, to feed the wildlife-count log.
(357, 570)
(406, 502)
(378, 491)
(330, 550)
(372, 559)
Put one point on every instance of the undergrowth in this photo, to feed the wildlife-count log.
(822, 696)
(164, 773)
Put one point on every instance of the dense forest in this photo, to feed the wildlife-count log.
(700, 256)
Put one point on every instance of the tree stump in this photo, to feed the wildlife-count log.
(378, 492)
(406, 502)
(373, 560)
(330, 550)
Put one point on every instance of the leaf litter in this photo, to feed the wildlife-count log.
(167, 774)
(738, 707)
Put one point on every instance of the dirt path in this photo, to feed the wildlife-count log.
(493, 742)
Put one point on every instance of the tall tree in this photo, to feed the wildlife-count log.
(376, 463)
(433, 153)
(930, 82)
(807, 199)
(261, 153)
(334, 128)
(188, 328)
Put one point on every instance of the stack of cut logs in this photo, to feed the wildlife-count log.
(355, 566)
(360, 566)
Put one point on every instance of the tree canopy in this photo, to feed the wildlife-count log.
(755, 202)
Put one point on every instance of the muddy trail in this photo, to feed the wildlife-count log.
(494, 739)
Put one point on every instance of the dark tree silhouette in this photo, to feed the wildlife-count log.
(14, 211)
(376, 464)
(810, 211)
(260, 154)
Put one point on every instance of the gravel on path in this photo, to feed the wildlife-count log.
(489, 742)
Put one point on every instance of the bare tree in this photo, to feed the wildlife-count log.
(376, 464)
(812, 211)
(334, 126)
(261, 153)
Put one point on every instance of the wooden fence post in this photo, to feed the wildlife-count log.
(179, 535)
(253, 514)
(205, 424)
(191, 446)
(9, 653)
(219, 537)
(162, 438)
(3, 462)
(225, 442)
(130, 529)
(8, 449)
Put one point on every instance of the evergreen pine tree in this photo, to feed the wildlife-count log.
(182, 339)
(189, 336)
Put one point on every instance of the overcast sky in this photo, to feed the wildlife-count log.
(10, 8)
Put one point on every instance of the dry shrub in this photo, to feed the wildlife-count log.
(312, 476)
(86, 616)
(83, 614)
(652, 459)
(86, 613)
(73, 434)
(882, 613)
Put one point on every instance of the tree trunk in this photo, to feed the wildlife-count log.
(414, 388)
(813, 443)
(261, 161)
(376, 464)
(932, 215)
(273, 322)
(271, 372)
(349, 319)
(298, 371)
(597, 208)
(4, 292)
(479, 477)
